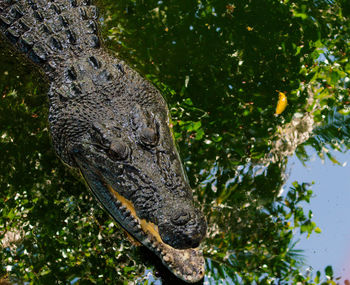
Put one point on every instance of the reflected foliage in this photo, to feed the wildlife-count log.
(220, 65)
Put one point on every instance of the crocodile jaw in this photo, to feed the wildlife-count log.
(186, 264)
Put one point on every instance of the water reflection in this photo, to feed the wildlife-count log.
(219, 67)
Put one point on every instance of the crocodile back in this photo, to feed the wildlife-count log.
(50, 32)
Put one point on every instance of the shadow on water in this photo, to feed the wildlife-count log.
(219, 66)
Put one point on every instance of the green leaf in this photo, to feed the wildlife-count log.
(329, 271)
(300, 15)
(317, 278)
(199, 134)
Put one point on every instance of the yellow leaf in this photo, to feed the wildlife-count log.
(282, 103)
(318, 230)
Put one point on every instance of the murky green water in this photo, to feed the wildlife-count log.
(220, 67)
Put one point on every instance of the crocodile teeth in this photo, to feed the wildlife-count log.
(133, 221)
(127, 214)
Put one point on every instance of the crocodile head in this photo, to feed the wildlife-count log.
(127, 155)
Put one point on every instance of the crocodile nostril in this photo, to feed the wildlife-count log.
(180, 218)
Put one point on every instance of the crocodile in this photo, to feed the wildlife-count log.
(111, 124)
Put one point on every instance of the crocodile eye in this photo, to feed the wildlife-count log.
(149, 136)
(118, 150)
(180, 218)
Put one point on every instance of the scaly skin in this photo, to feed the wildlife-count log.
(113, 125)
